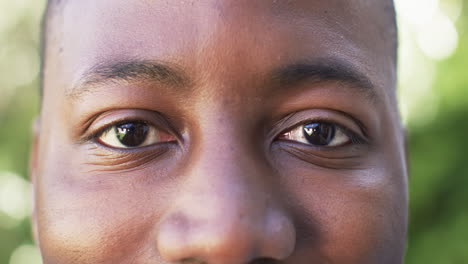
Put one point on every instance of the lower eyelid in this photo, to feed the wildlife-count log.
(120, 159)
(326, 157)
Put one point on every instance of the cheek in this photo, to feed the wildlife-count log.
(357, 227)
(350, 216)
(105, 218)
(95, 228)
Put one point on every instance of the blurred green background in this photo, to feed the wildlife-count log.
(433, 92)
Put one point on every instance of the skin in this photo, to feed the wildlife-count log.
(224, 184)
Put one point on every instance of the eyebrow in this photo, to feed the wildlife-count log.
(324, 70)
(128, 71)
(311, 71)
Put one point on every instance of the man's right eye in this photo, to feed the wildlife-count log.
(133, 134)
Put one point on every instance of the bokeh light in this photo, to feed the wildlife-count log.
(427, 35)
(26, 254)
(15, 196)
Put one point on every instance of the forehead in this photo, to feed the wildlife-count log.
(195, 33)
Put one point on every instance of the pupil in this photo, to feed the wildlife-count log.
(320, 134)
(132, 134)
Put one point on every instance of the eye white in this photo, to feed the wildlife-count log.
(297, 134)
(111, 139)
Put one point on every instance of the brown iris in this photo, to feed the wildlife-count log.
(132, 134)
(319, 133)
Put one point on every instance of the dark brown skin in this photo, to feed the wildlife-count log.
(222, 178)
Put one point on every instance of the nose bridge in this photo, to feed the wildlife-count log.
(228, 175)
(224, 152)
(226, 212)
(226, 182)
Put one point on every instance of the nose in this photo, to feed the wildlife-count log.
(228, 212)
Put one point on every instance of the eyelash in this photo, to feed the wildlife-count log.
(355, 139)
(109, 127)
(93, 137)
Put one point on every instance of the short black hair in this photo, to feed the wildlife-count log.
(54, 6)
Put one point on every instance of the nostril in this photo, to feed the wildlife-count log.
(264, 261)
(191, 261)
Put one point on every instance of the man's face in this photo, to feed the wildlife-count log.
(226, 132)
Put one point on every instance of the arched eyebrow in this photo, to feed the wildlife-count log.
(170, 75)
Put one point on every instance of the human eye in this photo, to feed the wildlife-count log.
(321, 134)
(132, 134)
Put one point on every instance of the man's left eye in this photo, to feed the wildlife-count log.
(318, 133)
(132, 135)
